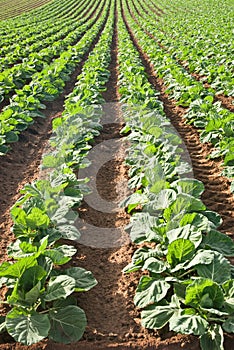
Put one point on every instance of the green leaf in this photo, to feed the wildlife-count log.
(60, 303)
(60, 255)
(149, 291)
(37, 218)
(204, 292)
(228, 288)
(228, 325)
(219, 270)
(18, 268)
(213, 338)
(214, 217)
(134, 200)
(184, 203)
(201, 257)
(29, 284)
(155, 131)
(31, 277)
(219, 241)
(188, 232)
(179, 251)
(163, 199)
(84, 280)
(11, 136)
(27, 328)
(59, 287)
(142, 227)
(156, 317)
(190, 186)
(67, 324)
(188, 324)
(197, 220)
(69, 232)
(154, 265)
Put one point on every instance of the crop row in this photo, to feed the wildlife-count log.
(39, 293)
(214, 122)
(15, 77)
(42, 36)
(44, 13)
(18, 7)
(47, 84)
(181, 252)
(202, 41)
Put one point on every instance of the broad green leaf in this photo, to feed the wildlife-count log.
(219, 270)
(190, 186)
(149, 291)
(228, 288)
(188, 324)
(30, 277)
(179, 251)
(155, 131)
(61, 303)
(214, 217)
(214, 311)
(219, 241)
(67, 324)
(59, 287)
(156, 177)
(33, 294)
(27, 328)
(154, 265)
(201, 257)
(37, 218)
(61, 254)
(18, 268)
(228, 325)
(69, 232)
(163, 199)
(156, 317)
(197, 220)
(142, 227)
(11, 136)
(213, 338)
(144, 253)
(204, 292)
(84, 280)
(18, 249)
(188, 232)
(134, 200)
(184, 203)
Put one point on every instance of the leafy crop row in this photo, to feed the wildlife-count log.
(24, 43)
(202, 40)
(17, 76)
(45, 85)
(187, 280)
(39, 292)
(7, 11)
(45, 12)
(215, 123)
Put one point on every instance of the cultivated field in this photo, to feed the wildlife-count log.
(117, 169)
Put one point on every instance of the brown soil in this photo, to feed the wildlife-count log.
(113, 320)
